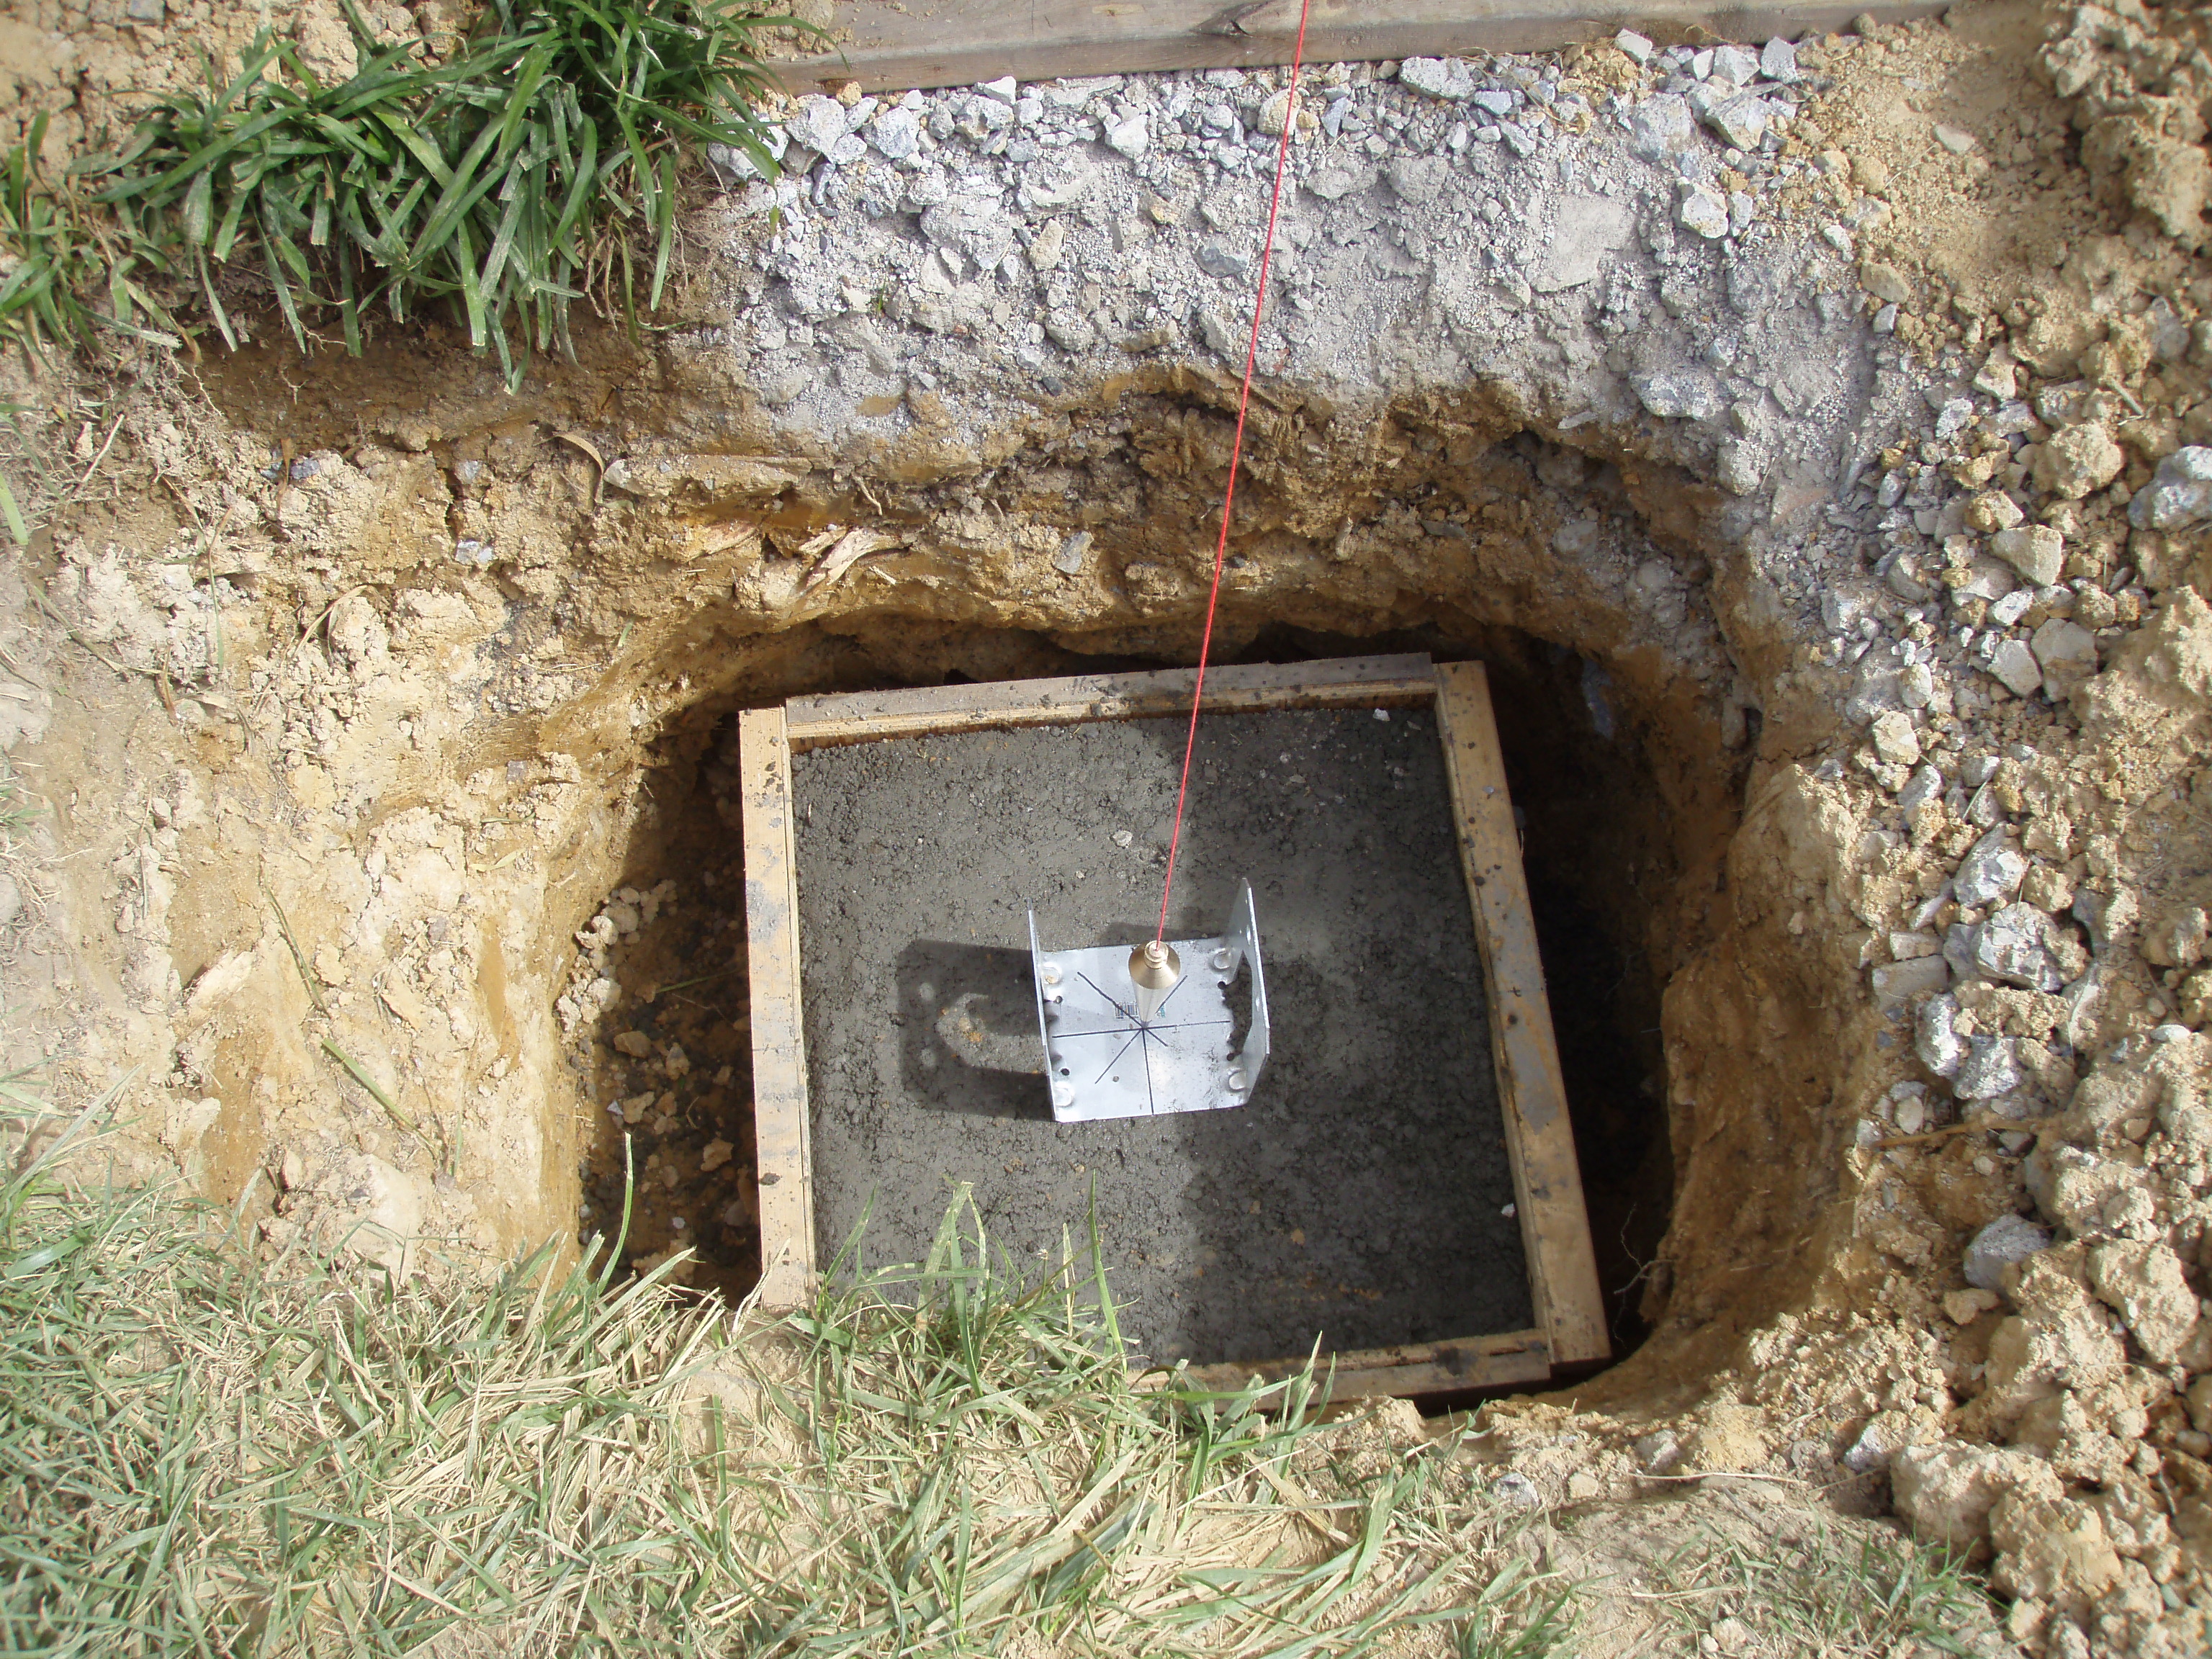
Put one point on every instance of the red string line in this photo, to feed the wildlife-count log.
(1235, 456)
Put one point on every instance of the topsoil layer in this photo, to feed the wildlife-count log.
(1360, 1198)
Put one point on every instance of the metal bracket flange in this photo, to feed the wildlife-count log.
(1103, 1062)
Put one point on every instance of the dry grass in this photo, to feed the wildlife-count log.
(200, 1453)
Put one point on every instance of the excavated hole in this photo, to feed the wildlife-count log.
(1600, 853)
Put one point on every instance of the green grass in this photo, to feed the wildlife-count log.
(58, 254)
(201, 1452)
(533, 165)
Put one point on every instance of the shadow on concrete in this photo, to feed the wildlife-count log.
(968, 1031)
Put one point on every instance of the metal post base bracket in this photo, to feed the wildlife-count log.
(1103, 1060)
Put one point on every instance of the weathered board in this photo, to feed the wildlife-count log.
(1512, 1359)
(780, 1127)
(889, 46)
(1538, 1136)
(1350, 682)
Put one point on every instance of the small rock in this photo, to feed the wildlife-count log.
(1275, 112)
(1897, 983)
(2014, 946)
(2179, 494)
(1777, 61)
(1003, 89)
(1894, 739)
(1885, 282)
(1123, 837)
(146, 11)
(1129, 136)
(1438, 77)
(1957, 140)
(1042, 191)
(1993, 510)
(1990, 1069)
(1679, 394)
(2067, 653)
(714, 1154)
(1334, 183)
(1418, 180)
(635, 1044)
(1924, 786)
(1637, 48)
(1703, 212)
(1936, 1037)
(1734, 65)
(2036, 551)
(897, 134)
(2008, 1239)
(1741, 121)
(1218, 259)
(819, 124)
(1959, 939)
(1069, 560)
(1876, 1445)
(1964, 1307)
(1044, 251)
(2077, 461)
(1990, 872)
(2016, 666)
(1663, 126)
(1518, 1490)
(2143, 1283)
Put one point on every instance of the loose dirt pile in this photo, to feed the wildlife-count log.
(1807, 439)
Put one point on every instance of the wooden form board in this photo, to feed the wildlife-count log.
(1538, 1136)
(1348, 683)
(938, 43)
(1548, 1185)
(782, 1133)
(1510, 1360)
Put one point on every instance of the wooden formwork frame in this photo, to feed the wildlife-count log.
(890, 48)
(1569, 1334)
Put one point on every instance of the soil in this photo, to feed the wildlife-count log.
(1360, 1200)
(346, 694)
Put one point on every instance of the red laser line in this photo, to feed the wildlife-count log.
(1235, 456)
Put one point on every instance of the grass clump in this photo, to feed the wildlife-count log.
(537, 161)
(56, 249)
(200, 1453)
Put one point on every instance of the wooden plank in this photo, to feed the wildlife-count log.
(781, 1132)
(1508, 1360)
(1348, 682)
(1538, 1136)
(936, 43)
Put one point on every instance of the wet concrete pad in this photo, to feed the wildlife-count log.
(1359, 1198)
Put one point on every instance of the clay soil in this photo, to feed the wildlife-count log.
(1358, 1200)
